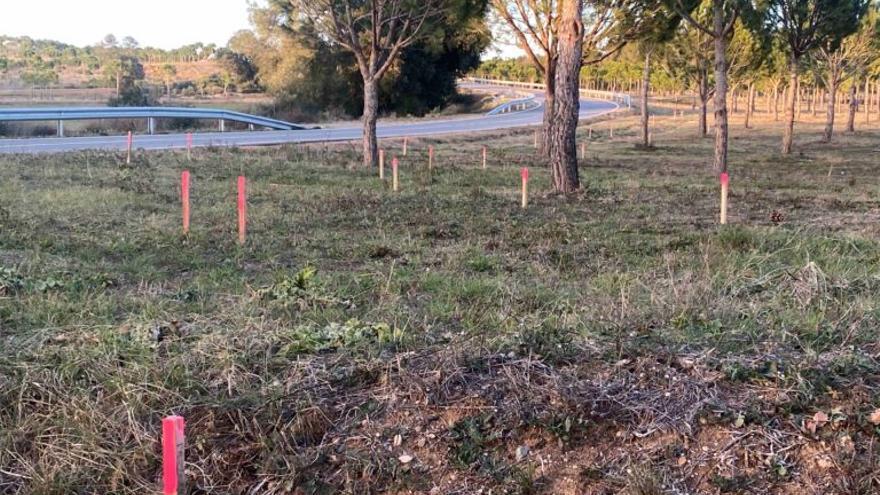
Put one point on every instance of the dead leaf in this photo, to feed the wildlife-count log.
(874, 418)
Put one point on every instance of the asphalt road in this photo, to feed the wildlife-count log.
(346, 132)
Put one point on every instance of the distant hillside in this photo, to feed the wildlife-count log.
(25, 62)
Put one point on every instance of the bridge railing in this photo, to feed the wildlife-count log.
(619, 98)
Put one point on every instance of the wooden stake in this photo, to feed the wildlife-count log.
(431, 157)
(484, 157)
(395, 177)
(405, 143)
(130, 142)
(242, 209)
(611, 132)
(524, 173)
(584, 150)
(189, 145)
(591, 133)
(536, 139)
(184, 199)
(173, 461)
(382, 164)
(725, 182)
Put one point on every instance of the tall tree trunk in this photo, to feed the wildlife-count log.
(788, 134)
(704, 103)
(563, 163)
(721, 43)
(815, 100)
(646, 83)
(750, 105)
(549, 100)
(853, 107)
(829, 119)
(776, 102)
(371, 115)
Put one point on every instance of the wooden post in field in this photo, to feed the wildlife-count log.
(484, 157)
(395, 179)
(584, 150)
(184, 199)
(242, 209)
(381, 164)
(536, 139)
(524, 173)
(189, 145)
(611, 132)
(405, 145)
(725, 182)
(431, 157)
(173, 462)
(130, 142)
(591, 132)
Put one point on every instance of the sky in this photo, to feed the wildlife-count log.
(158, 23)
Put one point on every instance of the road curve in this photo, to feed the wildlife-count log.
(347, 132)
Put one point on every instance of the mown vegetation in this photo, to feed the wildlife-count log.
(442, 340)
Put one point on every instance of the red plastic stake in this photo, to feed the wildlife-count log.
(184, 199)
(242, 209)
(173, 445)
(725, 185)
(525, 187)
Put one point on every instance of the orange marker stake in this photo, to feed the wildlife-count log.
(484, 157)
(130, 142)
(382, 164)
(524, 173)
(242, 209)
(184, 199)
(173, 448)
(395, 179)
(725, 184)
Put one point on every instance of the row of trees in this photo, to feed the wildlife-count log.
(704, 45)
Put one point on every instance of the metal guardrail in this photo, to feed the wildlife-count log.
(151, 113)
(519, 105)
(620, 98)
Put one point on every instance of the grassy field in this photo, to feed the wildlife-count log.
(442, 340)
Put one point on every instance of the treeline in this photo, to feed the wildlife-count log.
(308, 74)
(124, 65)
(624, 73)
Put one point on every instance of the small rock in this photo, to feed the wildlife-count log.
(405, 459)
(521, 453)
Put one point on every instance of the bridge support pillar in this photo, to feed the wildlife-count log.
(151, 125)
(60, 128)
(222, 125)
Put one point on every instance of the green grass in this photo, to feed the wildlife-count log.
(353, 314)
